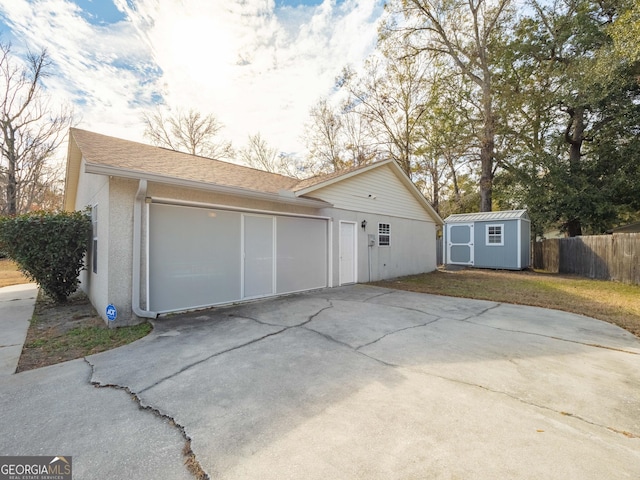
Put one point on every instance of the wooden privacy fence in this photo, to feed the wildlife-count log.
(607, 257)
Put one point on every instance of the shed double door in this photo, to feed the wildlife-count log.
(460, 243)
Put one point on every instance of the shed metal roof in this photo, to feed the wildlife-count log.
(487, 216)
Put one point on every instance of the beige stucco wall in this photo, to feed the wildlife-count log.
(121, 195)
(94, 190)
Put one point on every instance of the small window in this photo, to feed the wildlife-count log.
(384, 231)
(94, 243)
(495, 235)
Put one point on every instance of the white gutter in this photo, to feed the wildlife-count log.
(217, 206)
(137, 234)
(228, 190)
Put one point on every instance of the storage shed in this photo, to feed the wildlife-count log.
(488, 240)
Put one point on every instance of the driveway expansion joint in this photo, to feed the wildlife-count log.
(191, 462)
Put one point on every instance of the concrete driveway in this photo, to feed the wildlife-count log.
(348, 383)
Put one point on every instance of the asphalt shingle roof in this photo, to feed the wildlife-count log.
(137, 157)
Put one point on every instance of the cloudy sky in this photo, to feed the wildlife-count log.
(258, 65)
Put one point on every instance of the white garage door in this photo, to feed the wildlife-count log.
(200, 257)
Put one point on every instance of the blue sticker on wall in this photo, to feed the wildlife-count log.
(112, 313)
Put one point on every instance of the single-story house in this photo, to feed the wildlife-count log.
(500, 240)
(175, 232)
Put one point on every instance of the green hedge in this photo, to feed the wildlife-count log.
(48, 247)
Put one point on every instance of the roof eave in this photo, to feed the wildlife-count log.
(212, 187)
(72, 173)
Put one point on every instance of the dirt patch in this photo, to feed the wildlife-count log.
(62, 332)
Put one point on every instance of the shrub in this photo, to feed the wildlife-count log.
(48, 247)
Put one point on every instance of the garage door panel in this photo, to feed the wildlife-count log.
(301, 254)
(258, 256)
(194, 257)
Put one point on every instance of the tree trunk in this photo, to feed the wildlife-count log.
(574, 135)
(12, 182)
(487, 148)
(574, 228)
(575, 138)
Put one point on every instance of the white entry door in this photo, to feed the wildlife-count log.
(258, 256)
(347, 253)
(460, 243)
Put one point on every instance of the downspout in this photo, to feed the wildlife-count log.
(137, 266)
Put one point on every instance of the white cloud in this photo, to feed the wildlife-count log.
(258, 68)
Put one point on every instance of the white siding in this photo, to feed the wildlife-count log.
(412, 249)
(377, 191)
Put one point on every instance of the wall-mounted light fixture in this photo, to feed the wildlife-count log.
(363, 224)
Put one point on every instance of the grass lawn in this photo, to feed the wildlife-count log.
(61, 332)
(9, 274)
(612, 302)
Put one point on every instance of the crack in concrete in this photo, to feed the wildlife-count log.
(312, 317)
(261, 322)
(518, 399)
(287, 327)
(397, 331)
(378, 295)
(353, 349)
(202, 360)
(236, 347)
(596, 345)
(521, 400)
(191, 462)
(481, 312)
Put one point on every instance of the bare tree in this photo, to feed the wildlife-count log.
(322, 136)
(30, 131)
(338, 139)
(360, 146)
(259, 154)
(189, 132)
(391, 96)
(463, 32)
